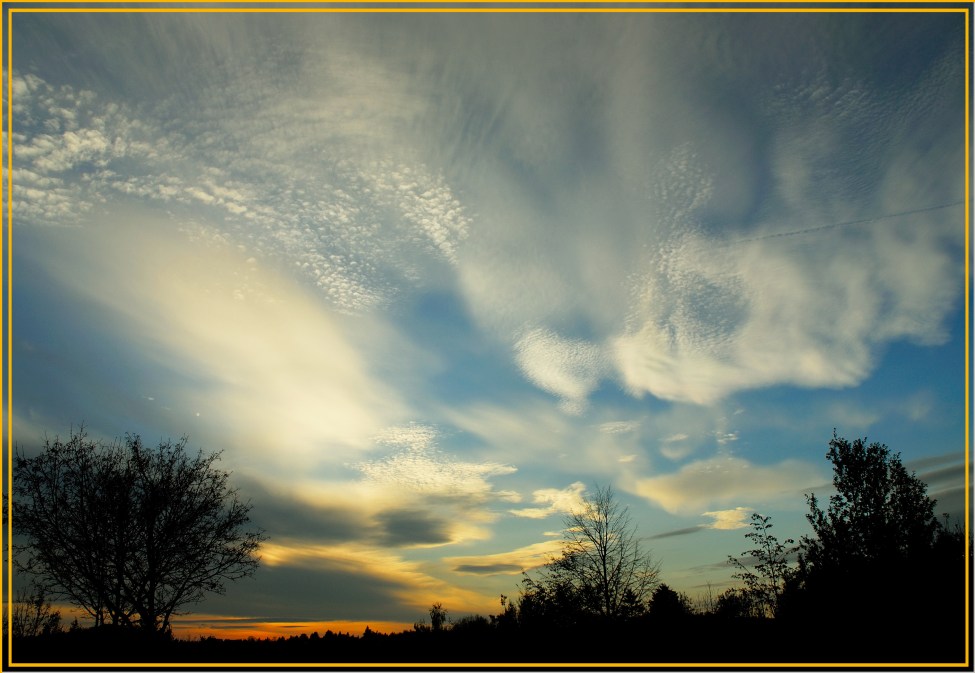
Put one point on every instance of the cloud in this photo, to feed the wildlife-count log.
(521, 430)
(675, 447)
(329, 591)
(559, 501)
(507, 563)
(678, 532)
(412, 527)
(568, 368)
(331, 173)
(726, 437)
(489, 569)
(711, 317)
(354, 574)
(701, 314)
(313, 193)
(618, 427)
(702, 483)
(415, 436)
(423, 469)
(271, 367)
(288, 515)
(729, 519)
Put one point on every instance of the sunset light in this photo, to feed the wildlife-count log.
(442, 288)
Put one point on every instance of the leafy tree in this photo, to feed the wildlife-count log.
(602, 571)
(129, 533)
(735, 603)
(769, 558)
(879, 512)
(438, 617)
(878, 530)
(508, 617)
(667, 603)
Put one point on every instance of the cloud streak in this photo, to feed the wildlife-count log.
(702, 483)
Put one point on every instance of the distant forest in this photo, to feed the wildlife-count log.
(881, 579)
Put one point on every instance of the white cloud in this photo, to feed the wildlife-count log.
(568, 368)
(315, 191)
(618, 427)
(534, 435)
(807, 312)
(726, 437)
(676, 447)
(703, 483)
(275, 374)
(423, 469)
(558, 501)
(415, 436)
(729, 519)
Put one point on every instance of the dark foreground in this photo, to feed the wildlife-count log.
(693, 639)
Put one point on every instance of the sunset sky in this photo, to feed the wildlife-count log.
(429, 279)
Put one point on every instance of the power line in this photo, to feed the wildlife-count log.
(824, 227)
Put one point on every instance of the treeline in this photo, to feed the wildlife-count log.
(880, 579)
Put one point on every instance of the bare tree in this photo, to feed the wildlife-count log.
(602, 570)
(31, 614)
(129, 533)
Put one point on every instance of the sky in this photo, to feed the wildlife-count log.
(428, 280)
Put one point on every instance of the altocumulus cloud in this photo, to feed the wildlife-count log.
(558, 501)
(423, 469)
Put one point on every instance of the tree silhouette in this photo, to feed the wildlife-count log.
(31, 614)
(765, 584)
(438, 617)
(602, 571)
(879, 511)
(735, 603)
(878, 531)
(129, 533)
(667, 603)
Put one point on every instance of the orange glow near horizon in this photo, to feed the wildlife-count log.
(195, 626)
(237, 629)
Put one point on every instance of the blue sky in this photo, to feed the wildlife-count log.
(428, 279)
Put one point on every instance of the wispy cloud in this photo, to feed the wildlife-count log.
(507, 563)
(408, 583)
(277, 222)
(356, 225)
(703, 483)
(678, 532)
(266, 354)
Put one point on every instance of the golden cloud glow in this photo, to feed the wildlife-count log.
(277, 373)
(729, 519)
(510, 562)
(418, 588)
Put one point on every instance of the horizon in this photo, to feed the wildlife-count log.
(426, 281)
